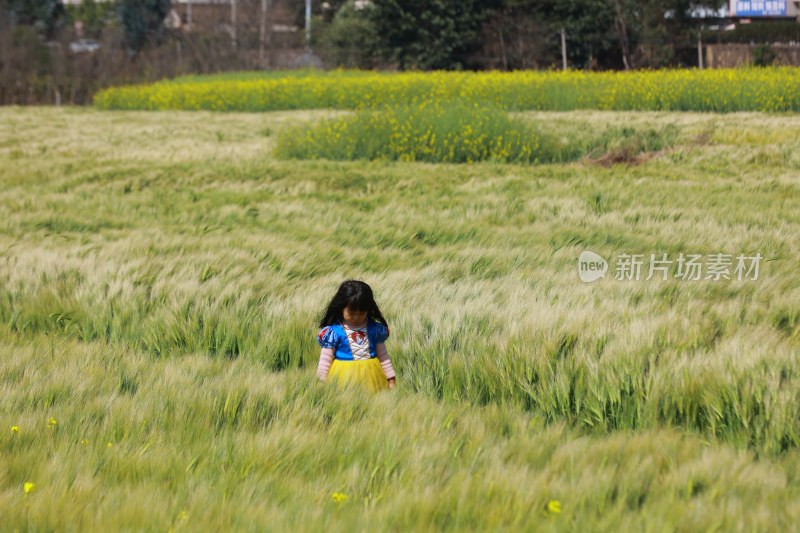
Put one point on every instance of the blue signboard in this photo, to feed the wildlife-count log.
(767, 8)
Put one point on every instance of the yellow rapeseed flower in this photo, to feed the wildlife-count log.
(52, 423)
(29, 487)
(554, 507)
(666, 89)
(14, 429)
(339, 497)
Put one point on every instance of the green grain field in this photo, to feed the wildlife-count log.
(162, 276)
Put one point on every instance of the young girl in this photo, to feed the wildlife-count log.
(352, 333)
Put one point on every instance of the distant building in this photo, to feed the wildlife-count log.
(217, 14)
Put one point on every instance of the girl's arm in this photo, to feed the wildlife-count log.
(383, 356)
(325, 360)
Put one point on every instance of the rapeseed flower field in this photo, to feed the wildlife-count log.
(768, 89)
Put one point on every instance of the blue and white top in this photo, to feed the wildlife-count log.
(353, 344)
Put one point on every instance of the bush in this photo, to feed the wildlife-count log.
(456, 132)
(349, 40)
(763, 55)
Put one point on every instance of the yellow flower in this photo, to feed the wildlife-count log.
(29, 487)
(109, 444)
(14, 429)
(84, 442)
(52, 423)
(554, 507)
(339, 497)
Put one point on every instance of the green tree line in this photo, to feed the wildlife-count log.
(435, 34)
(510, 34)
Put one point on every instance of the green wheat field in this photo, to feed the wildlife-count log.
(162, 275)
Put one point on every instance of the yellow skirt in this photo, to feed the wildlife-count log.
(367, 372)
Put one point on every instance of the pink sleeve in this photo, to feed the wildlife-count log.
(383, 356)
(325, 360)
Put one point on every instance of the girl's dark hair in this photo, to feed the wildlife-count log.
(356, 295)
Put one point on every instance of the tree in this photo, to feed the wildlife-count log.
(93, 14)
(44, 15)
(141, 20)
(512, 38)
(621, 25)
(589, 28)
(533, 27)
(349, 39)
(657, 29)
(428, 34)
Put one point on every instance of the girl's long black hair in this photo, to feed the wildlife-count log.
(354, 294)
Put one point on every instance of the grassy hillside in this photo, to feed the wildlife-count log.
(161, 275)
